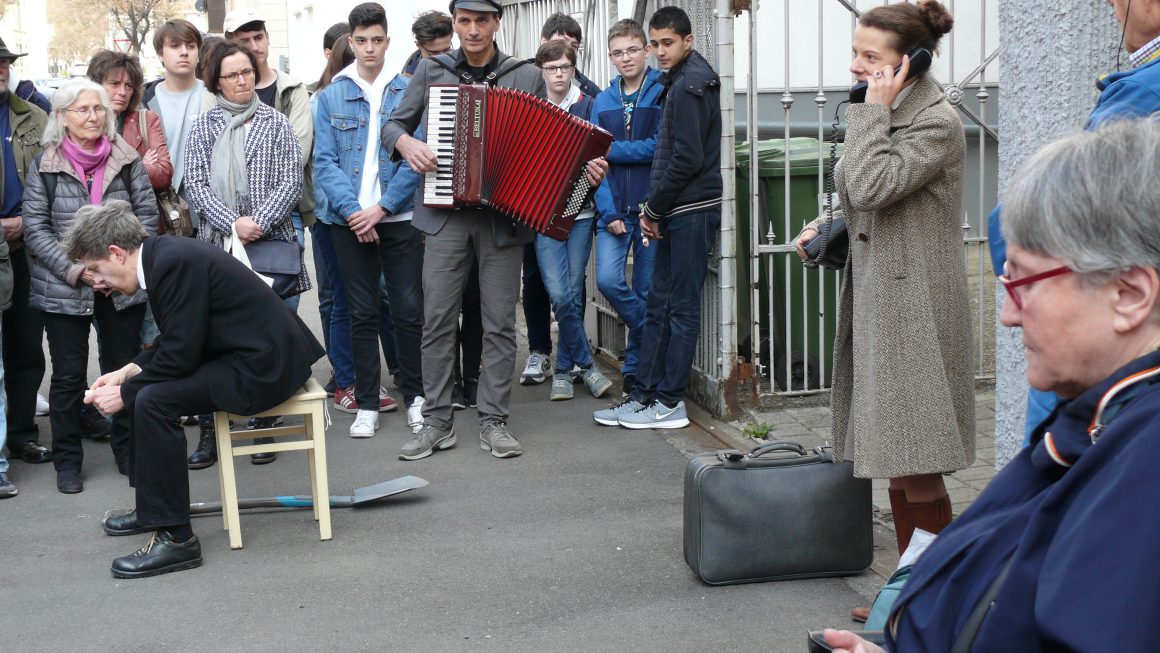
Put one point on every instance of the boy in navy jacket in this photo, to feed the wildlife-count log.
(680, 219)
(630, 110)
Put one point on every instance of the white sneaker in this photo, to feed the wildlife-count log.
(535, 369)
(415, 414)
(41, 405)
(366, 422)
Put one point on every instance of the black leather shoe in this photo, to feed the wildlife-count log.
(68, 481)
(206, 453)
(263, 458)
(160, 555)
(94, 425)
(31, 452)
(126, 524)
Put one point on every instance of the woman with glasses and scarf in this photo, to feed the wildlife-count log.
(85, 161)
(242, 170)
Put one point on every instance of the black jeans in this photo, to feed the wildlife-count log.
(23, 356)
(398, 258)
(157, 448)
(537, 304)
(119, 339)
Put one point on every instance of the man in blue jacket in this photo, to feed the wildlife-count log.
(1129, 93)
(630, 110)
(369, 204)
(680, 218)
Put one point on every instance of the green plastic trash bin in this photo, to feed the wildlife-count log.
(799, 340)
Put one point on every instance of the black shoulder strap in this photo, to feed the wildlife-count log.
(448, 64)
(970, 630)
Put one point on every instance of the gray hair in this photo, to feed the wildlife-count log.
(95, 228)
(1091, 200)
(63, 98)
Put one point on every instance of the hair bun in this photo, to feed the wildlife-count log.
(936, 16)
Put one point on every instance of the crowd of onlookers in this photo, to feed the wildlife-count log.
(230, 150)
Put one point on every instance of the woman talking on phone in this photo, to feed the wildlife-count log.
(903, 393)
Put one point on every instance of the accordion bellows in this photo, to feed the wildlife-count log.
(512, 151)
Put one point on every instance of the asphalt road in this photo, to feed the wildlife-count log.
(574, 546)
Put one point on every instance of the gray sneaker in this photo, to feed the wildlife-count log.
(426, 441)
(7, 487)
(597, 383)
(496, 438)
(561, 387)
(611, 416)
(535, 369)
(656, 415)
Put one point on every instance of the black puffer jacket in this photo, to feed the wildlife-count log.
(56, 286)
(686, 170)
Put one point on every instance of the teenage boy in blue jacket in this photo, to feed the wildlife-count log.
(680, 218)
(369, 204)
(630, 110)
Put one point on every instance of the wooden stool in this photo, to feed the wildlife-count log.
(308, 402)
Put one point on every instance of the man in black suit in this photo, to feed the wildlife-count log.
(227, 343)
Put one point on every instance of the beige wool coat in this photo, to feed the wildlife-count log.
(903, 393)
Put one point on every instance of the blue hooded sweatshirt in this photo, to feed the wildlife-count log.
(625, 188)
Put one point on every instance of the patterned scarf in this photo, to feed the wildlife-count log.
(229, 180)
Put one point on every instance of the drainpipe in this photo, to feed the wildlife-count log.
(727, 270)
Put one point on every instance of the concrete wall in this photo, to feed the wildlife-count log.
(1049, 92)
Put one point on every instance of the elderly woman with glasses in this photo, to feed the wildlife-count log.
(85, 161)
(1058, 552)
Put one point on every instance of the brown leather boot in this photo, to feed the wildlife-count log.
(903, 525)
(931, 516)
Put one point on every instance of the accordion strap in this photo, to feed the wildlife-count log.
(447, 63)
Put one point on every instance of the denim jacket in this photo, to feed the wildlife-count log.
(341, 120)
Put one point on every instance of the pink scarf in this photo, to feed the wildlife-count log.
(89, 164)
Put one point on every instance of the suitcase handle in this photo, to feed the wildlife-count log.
(777, 446)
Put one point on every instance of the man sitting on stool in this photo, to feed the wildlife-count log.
(209, 357)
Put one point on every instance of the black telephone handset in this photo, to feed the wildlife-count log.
(919, 64)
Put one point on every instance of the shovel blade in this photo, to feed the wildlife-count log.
(371, 493)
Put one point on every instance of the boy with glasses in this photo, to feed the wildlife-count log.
(630, 109)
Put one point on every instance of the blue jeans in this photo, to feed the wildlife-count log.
(322, 282)
(629, 303)
(338, 347)
(296, 219)
(562, 266)
(672, 324)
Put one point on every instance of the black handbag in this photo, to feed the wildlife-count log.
(779, 512)
(831, 247)
(279, 260)
(176, 218)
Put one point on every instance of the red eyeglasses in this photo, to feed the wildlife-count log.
(1012, 285)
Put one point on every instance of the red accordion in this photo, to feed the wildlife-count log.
(514, 152)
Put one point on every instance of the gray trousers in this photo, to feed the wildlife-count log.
(448, 255)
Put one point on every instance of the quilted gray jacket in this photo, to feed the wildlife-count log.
(56, 285)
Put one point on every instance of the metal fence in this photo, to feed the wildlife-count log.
(522, 20)
(792, 312)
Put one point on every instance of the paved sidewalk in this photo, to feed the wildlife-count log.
(810, 427)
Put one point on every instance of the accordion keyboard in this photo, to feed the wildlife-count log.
(437, 185)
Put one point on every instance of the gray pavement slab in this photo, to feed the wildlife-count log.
(574, 546)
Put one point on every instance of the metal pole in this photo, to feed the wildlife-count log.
(727, 274)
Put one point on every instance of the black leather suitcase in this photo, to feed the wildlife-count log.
(779, 512)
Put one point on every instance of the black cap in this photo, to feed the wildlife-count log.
(493, 6)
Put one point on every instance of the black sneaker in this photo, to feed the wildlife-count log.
(94, 425)
(458, 398)
(471, 391)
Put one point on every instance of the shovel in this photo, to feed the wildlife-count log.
(362, 496)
